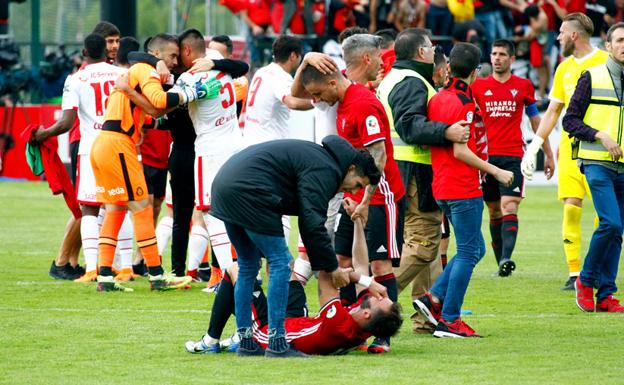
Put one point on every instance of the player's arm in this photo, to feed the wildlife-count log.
(59, 127)
(544, 127)
(549, 159)
(462, 152)
(409, 109)
(378, 152)
(322, 62)
(234, 68)
(122, 84)
(299, 104)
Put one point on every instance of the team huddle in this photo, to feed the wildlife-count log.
(404, 148)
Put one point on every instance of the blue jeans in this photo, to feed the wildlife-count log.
(603, 256)
(465, 215)
(440, 20)
(249, 245)
(494, 28)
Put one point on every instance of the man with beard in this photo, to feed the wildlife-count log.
(574, 35)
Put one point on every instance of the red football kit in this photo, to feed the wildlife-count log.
(362, 121)
(332, 331)
(452, 178)
(502, 106)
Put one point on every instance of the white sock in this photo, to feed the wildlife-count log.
(221, 246)
(302, 270)
(163, 233)
(124, 244)
(198, 243)
(90, 234)
(100, 217)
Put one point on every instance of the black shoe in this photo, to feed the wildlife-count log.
(70, 272)
(79, 270)
(506, 267)
(57, 272)
(288, 353)
(203, 272)
(569, 284)
(140, 269)
(242, 352)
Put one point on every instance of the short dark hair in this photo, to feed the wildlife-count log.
(225, 40)
(126, 44)
(311, 74)
(388, 36)
(159, 41)
(348, 32)
(194, 39)
(612, 29)
(106, 29)
(408, 42)
(284, 45)
(95, 45)
(464, 59)
(583, 23)
(507, 44)
(532, 11)
(365, 166)
(382, 324)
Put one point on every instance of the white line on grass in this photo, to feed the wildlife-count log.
(112, 310)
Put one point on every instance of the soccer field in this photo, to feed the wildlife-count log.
(60, 332)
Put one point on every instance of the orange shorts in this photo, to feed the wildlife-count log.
(118, 172)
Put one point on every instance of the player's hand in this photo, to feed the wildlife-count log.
(349, 205)
(549, 166)
(529, 160)
(378, 290)
(380, 76)
(504, 177)
(340, 277)
(163, 71)
(40, 134)
(610, 145)
(322, 62)
(361, 212)
(256, 30)
(122, 83)
(208, 90)
(202, 64)
(458, 132)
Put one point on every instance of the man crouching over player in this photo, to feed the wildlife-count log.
(337, 329)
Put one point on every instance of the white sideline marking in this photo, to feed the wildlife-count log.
(115, 310)
(39, 283)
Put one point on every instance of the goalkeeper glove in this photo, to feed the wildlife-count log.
(529, 159)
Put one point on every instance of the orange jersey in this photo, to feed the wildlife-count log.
(241, 88)
(124, 116)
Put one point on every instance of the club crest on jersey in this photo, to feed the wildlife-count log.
(514, 92)
(331, 312)
(372, 125)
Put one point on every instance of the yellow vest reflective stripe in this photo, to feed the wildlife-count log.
(402, 150)
(604, 113)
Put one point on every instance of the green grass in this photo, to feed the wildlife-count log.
(63, 333)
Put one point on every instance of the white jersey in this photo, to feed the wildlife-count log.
(324, 120)
(266, 114)
(87, 92)
(215, 121)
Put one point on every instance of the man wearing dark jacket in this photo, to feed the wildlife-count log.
(405, 93)
(286, 177)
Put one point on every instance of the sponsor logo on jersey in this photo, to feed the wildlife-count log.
(116, 191)
(488, 93)
(372, 125)
(99, 189)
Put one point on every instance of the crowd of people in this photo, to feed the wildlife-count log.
(409, 141)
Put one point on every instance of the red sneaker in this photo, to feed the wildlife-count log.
(584, 296)
(610, 305)
(432, 311)
(455, 329)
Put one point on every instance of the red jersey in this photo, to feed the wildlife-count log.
(502, 106)
(362, 121)
(155, 148)
(332, 331)
(452, 178)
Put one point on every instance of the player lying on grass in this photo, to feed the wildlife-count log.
(337, 329)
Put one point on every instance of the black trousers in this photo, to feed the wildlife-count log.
(181, 164)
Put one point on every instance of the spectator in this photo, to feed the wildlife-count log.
(407, 14)
(439, 18)
(601, 12)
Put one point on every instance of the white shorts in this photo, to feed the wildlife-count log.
(168, 195)
(85, 182)
(206, 168)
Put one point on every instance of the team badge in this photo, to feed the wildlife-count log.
(331, 312)
(469, 116)
(139, 191)
(372, 125)
(514, 92)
